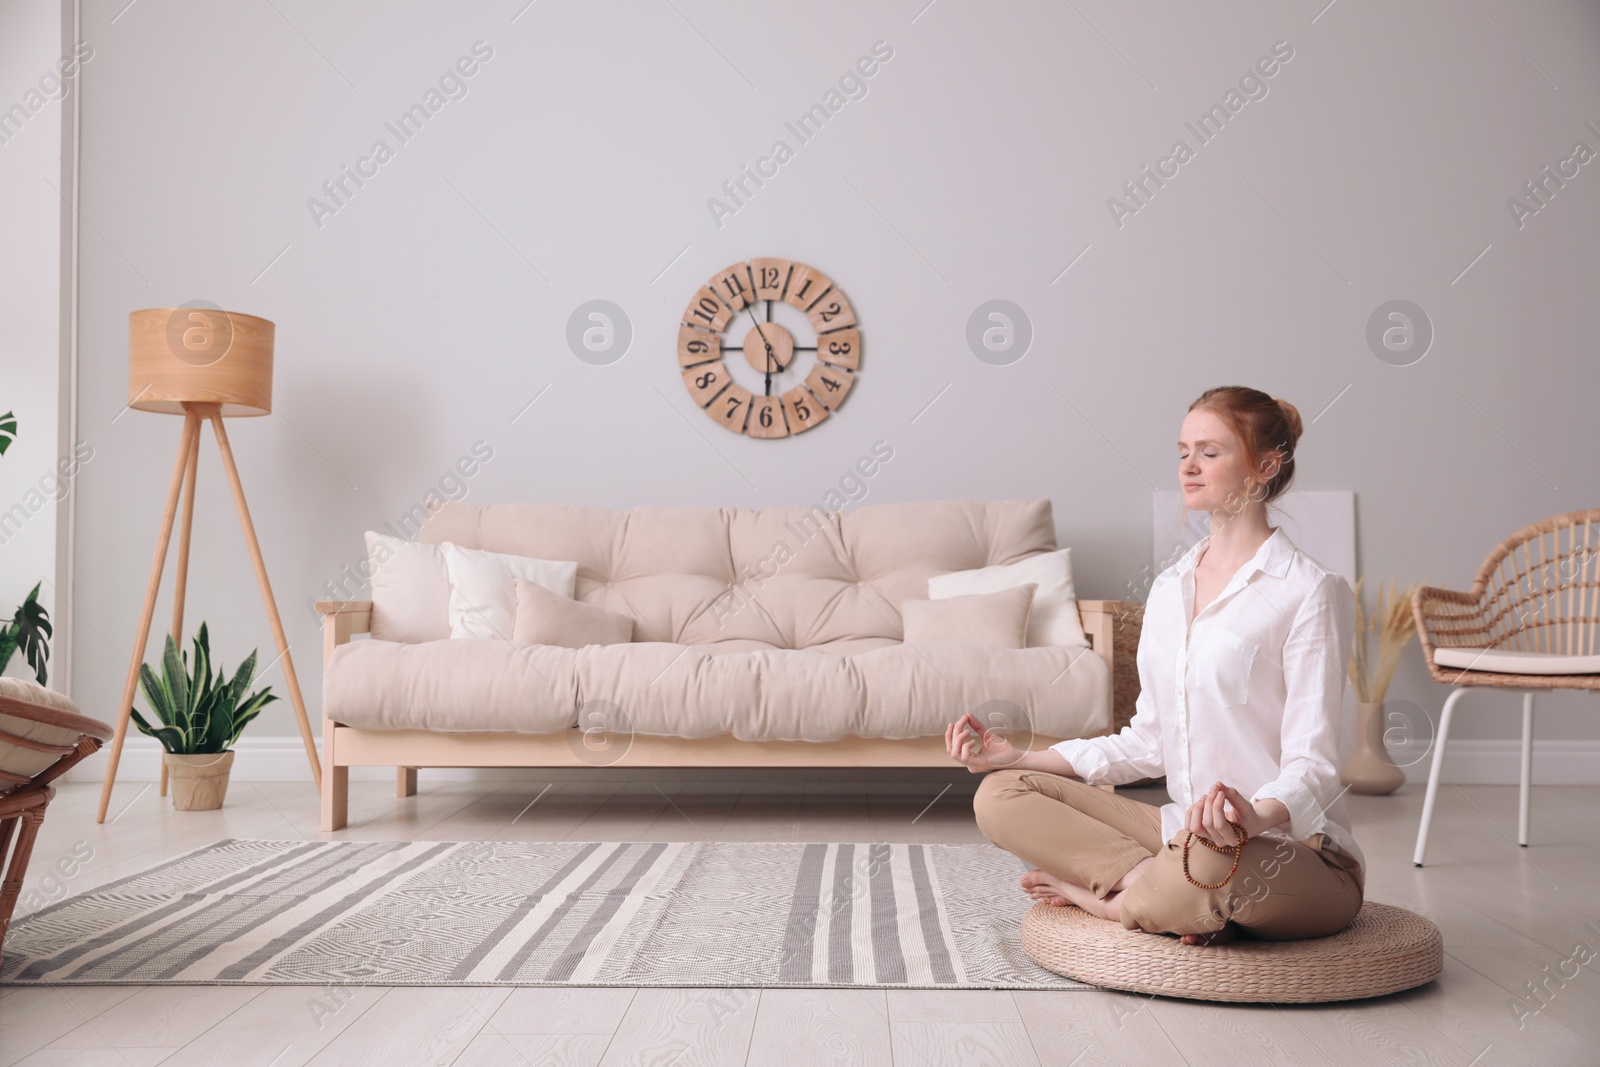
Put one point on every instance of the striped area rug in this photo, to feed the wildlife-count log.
(735, 914)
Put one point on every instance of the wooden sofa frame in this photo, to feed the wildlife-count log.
(1111, 625)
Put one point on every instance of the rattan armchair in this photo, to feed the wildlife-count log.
(1530, 622)
(41, 737)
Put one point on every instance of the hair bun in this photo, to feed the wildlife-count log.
(1292, 414)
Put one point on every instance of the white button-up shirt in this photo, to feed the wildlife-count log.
(1250, 694)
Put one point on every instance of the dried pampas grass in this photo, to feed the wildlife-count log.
(1395, 625)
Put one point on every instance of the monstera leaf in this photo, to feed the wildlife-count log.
(8, 431)
(29, 631)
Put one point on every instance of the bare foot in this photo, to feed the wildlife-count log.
(1228, 932)
(1058, 893)
(1047, 888)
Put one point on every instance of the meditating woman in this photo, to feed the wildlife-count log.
(1242, 676)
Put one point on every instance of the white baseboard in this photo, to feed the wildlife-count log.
(283, 759)
(1499, 762)
(259, 759)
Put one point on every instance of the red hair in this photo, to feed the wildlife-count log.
(1263, 424)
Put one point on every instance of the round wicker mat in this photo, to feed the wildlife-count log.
(1384, 949)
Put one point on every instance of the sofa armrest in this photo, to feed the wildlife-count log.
(1113, 628)
(343, 607)
(1099, 620)
(340, 620)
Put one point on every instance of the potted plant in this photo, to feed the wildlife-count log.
(29, 629)
(1369, 769)
(200, 720)
(28, 633)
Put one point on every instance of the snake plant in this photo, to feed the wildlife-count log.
(199, 716)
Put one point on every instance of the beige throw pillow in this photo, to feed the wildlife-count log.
(546, 618)
(1055, 606)
(999, 619)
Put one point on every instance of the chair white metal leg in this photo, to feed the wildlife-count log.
(1527, 768)
(1434, 771)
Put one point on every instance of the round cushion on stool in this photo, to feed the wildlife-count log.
(38, 728)
(1384, 949)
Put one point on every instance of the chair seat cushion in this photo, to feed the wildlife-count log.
(1384, 949)
(1506, 661)
(20, 759)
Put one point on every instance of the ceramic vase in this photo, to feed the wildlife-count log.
(1370, 770)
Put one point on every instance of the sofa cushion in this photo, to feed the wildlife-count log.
(1054, 620)
(463, 684)
(410, 589)
(545, 618)
(483, 600)
(788, 578)
(669, 690)
(998, 619)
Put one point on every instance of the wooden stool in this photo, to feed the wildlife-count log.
(41, 736)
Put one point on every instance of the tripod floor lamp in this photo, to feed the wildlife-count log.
(204, 364)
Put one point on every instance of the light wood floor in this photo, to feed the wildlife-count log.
(1510, 917)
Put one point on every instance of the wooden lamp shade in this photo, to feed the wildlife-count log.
(199, 355)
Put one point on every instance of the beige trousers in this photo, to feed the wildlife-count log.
(1283, 890)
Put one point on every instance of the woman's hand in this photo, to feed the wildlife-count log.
(1210, 815)
(978, 748)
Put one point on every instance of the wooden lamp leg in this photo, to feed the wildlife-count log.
(266, 596)
(191, 441)
(180, 588)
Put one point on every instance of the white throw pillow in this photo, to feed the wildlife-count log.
(483, 592)
(1054, 619)
(410, 590)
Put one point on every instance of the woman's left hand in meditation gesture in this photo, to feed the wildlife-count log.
(1209, 816)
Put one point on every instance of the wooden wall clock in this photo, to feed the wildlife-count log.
(733, 313)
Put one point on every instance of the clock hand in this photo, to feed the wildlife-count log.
(770, 359)
(767, 345)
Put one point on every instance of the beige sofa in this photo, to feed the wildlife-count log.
(762, 637)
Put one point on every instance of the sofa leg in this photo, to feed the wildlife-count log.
(335, 804)
(335, 798)
(405, 781)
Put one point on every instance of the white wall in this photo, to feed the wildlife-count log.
(36, 471)
(426, 313)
